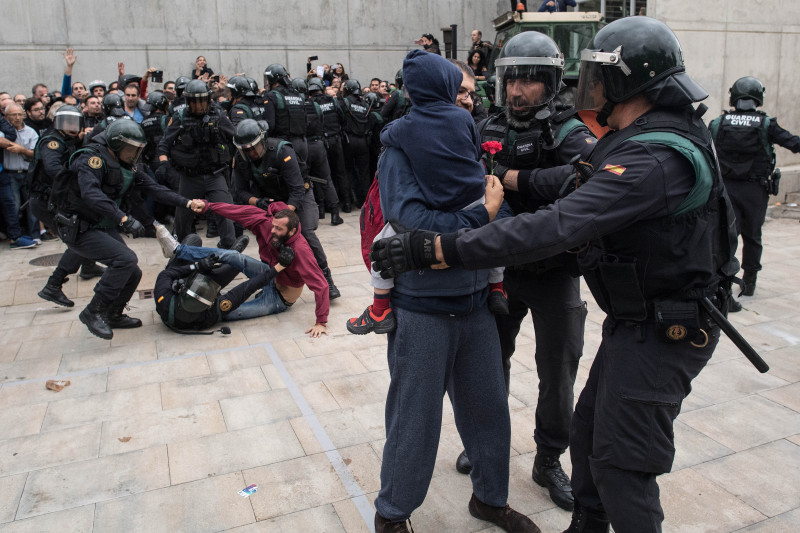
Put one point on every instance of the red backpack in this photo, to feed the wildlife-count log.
(371, 221)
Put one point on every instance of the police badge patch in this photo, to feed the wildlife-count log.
(676, 332)
(225, 306)
(52, 145)
(95, 162)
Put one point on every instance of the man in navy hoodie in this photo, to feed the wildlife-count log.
(446, 338)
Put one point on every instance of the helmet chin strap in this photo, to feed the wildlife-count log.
(602, 116)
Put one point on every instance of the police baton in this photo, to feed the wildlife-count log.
(720, 320)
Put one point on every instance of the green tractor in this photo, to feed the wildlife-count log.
(571, 30)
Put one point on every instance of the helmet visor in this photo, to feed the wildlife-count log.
(534, 81)
(69, 122)
(131, 151)
(253, 150)
(199, 294)
(198, 103)
(590, 87)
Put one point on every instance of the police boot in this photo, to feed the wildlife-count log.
(53, 293)
(118, 320)
(95, 316)
(321, 208)
(333, 292)
(211, 228)
(346, 207)
(547, 472)
(335, 218)
(91, 271)
(734, 306)
(749, 281)
(585, 522)
(462, 463)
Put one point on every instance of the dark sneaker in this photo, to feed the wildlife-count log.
(547, 472)
(369, 323)
(504, 517)
(462, 463)
(240, 243)
(498, 303)
(192, 239)
(734, 306)
(91, 271)
(48, 236)
(22, 242)
(384, 526)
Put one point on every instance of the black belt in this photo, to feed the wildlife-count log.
(198, 171)
(15, 171)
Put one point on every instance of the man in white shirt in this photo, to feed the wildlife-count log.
(16, 160)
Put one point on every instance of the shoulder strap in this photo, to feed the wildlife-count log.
(246, 109)
(279, 103)
(568, 127)
(763, 133)
(714, 128)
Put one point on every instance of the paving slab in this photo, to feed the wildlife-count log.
(77, 520)
(25, 454)
(10, 493)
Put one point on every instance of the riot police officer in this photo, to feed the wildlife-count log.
(50, 158)
(318, 166)
(245, 103)
(529, 71)
(197, 146)
(154, 126)
(92, 200)
(113, 108)
(356, 147)
(332, 121)
(374, 127)
(266, 170)
(179, 102)
(398, 104)
(653, 229)
(744, 138)
(284, 112)
(491, 89)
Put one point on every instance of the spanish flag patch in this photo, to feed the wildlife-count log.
(616, 169)
(287, 158)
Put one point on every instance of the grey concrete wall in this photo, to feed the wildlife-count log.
(724, 40)
(369, 37)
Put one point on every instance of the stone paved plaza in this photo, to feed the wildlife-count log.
(159, 431)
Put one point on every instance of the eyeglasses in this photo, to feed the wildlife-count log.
(15, 115)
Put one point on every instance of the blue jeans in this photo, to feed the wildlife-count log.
(428, 355)
(8, 207)
(20, 191)
(269, 302)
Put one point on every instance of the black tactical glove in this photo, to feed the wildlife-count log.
(162, 172)
(286, 256)
(263, 203)
(494, 168)
(400, 253)
(132, 227)
(206, 265)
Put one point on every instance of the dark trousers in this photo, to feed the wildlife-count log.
(749, 199)
(70, 262)
(8, 207)
(339, 175)
(318, 167)
(300, 147)
(622, 436)
(212, 187)
(120, 279)
(308, 214)
(559, 315)
(356, 156)
(429, 354)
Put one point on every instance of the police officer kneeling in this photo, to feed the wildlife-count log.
(90, 200)
(653, 227)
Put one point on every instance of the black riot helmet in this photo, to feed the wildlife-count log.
(126, 139)
(253, 85)
(276, 73)
(630, 56)
(299, 85)
(530, 56)
(351, 87)
(127, 79)
(372, 99)
(250, 139)
(491, 87)
(315, 85)
(157, 101)
(239, 87)
(113, 105)
(68, 119)
(180, 84)
(398, 79)
(747, 94)
(198, 293)
(198, 97)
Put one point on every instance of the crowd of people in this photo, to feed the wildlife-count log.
(524, 187)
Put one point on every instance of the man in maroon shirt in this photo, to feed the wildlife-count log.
(273, 229)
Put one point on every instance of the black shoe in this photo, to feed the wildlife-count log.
(211, 229)
(150, 231)
(384, 526)
(333, 292)
(321, 211)
(119, 320)
(749, 284)
(346, 207)
(462, 463)
(370, 323)
(91, 271)
(240, 243)
(193, 239)
(335, 218)
(547, 472)
(503, 517)
(583, 522)
(734, 306)
(52, 292)
(95, 316)
(498, 303)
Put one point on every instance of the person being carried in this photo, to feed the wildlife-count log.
(274, 229)
(427, 137)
